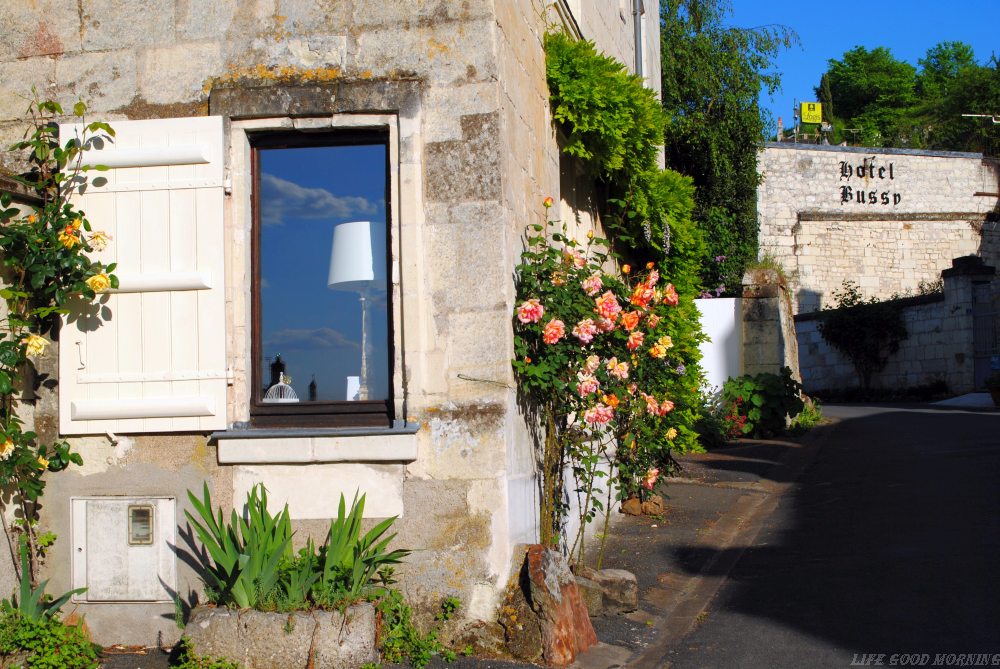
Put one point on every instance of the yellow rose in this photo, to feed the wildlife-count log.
(6, 448)
(68, 238)
(35, 345)
(43, 462)
(99, 282)
(671, 434)
(77, 222)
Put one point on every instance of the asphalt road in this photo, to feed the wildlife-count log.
(888, 545)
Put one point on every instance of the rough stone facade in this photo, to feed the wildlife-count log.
(941, 343)
(887, 219)
(463, 84)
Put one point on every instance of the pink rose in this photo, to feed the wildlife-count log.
(585, 331)
(574, 258)
(554, 331)
(654, 276)
(591, 365)
(599, 414)
(587, 384)
(592, 284)
(606, 324)
(607, 306)
(666, 406)
(617, 369)
(635, 339)
(530, 311)
(670, 295)
(649, 480)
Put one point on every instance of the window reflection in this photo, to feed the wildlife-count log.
(322, 274)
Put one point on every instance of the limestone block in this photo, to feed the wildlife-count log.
(178, 73)
(608, 591)
(18, 79)
(467, 169)
(39, 28)
(467, 273)
(446, 105)
(204, 19)
(409, 13)
(313, 491)
(112, 24)
(105, 80)
(321, 17)
(463, 441)
(478, 342)
(441, 53)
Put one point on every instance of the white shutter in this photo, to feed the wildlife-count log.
(153, 359)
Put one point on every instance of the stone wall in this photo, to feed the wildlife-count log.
(939, 346)
(477, 152)
(887, 219)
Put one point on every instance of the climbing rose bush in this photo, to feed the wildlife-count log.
(596, 356)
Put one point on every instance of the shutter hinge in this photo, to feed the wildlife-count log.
(227, 183)
(230, 377)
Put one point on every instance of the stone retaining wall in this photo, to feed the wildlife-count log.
(887, 219)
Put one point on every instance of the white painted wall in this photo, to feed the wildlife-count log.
(722, 354)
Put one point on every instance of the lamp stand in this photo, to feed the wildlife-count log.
(363, 388)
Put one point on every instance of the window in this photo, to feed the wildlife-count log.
(322, 346)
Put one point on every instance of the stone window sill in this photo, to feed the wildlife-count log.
(313, 445)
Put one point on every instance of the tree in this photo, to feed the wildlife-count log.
(941, 66)
(873, 90)
(712, 77)
(895, 104)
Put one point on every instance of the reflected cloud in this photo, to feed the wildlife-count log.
(282, 199)
(310, 338)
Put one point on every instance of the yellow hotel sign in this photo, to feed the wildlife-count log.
(812, 112)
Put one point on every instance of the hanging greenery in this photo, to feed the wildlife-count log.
(614, 125)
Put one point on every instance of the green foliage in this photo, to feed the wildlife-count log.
(712, 76)
(46, 268)
(249, 562)
(245, 553)
(865, 332)
(615, 125)
(46, 641)
(810, 416)
(187, 659)
(759, 405)
(33, 603)
(400, 640)
(891, 103)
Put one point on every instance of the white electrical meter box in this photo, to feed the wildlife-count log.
(123, 549)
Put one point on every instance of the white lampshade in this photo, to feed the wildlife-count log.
(357, 259)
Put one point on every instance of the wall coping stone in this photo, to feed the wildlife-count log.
(872, 149)
(903, 302)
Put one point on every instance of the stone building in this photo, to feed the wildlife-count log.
(887, 219)
(410, 141)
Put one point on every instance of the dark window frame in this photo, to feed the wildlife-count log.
(359, 413)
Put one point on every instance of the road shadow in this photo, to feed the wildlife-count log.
(888, 544)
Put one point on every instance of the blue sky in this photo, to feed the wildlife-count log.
(826, 30)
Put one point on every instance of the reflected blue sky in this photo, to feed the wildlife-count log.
(305, 192)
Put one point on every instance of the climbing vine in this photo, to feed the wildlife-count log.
(615, 126)
(46, 266)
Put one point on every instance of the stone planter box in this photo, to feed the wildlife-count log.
(313, 639)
